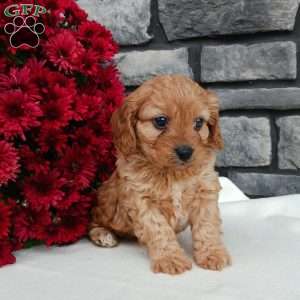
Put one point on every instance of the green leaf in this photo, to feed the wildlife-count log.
(21, 57)
(32, 243)
(81, 79)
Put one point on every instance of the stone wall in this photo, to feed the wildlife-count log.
(245, 50)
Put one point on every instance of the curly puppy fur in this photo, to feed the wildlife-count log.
(153, 194)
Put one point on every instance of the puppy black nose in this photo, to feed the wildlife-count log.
(184, 152)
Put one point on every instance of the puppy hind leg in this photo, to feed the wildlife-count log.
(103, 237)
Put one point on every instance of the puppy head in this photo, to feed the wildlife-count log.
(170, 120)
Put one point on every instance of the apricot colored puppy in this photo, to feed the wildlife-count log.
(167, 135)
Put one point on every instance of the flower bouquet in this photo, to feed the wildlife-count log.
(56, 100)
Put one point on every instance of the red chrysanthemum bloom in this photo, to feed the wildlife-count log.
(89, 62)
(4, 220)
(18, 113)
(93, 35)
(44, 189)
(52, 139)
(90, 30)
(103, 148)
(50, 82)
(58, 93)
(9, 165)
(71, 197)
(85, 140)
(6, 256)
(67, 226)
(106, 48)
(87, 106)
(54, 5)
(73, 15)
(57, 114)
(64, 83)
(79, 169)
(33, 161)
(40, 75)
(29, 223)
(19, 80)
(113, 98)
(107, 76)
(63, 50)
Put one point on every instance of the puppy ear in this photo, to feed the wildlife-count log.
(215, 136)
(124, 121)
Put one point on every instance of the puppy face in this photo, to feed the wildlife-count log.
(171, 121)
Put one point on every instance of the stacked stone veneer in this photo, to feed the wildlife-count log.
(245, 50)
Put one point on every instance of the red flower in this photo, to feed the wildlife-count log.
(113, 97)
(41, 76)
(52, 138)
(107, 76)
(106, 48)
(44, 189)
(29, 223)
(6, 256)
(64, 83)
(33, 161)
(90, 30)
(67, 226)
(85, 140)
(57, 114)
(87, 106)
(70, 198)
(19, 80)
(9, 165)
(58, 93)
(18, 113)
(52, 85)
(4, 220)
(104, 148)
(63, 50)
(54, 5)
(78, 168)
(89, 62)
(73, 15)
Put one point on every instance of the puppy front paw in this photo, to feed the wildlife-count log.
(172, 264)
(103, 237)
(215, 259)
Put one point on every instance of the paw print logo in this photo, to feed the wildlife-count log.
(24, 32)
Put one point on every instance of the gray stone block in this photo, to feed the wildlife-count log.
(276, 98)
(257, 184)
(196, 18)
(289, 142)
(268, 61)
(247, 142)
(138, 66)
(127, 19)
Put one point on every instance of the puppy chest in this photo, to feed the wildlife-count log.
(178, 196)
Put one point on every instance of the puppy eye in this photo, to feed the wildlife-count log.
(160, 122)
(198, 123)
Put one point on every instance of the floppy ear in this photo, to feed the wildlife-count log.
(215, 137)
(124, 121)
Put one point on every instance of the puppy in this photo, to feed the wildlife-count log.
(166, 135)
